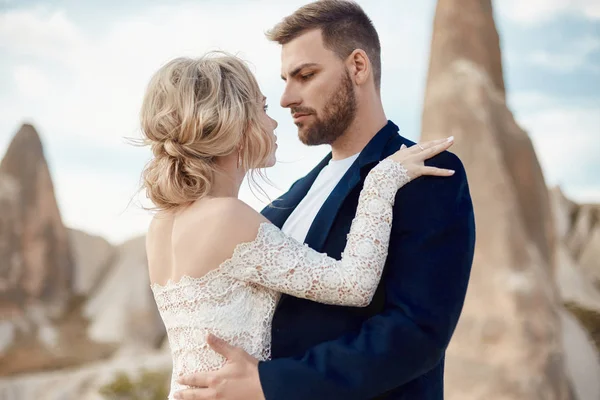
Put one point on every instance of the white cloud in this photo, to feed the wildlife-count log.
(566, 139)
(39, 32)
(529, 100)
(31, 82)
(583, 194)
(571, 60)
(537, 11)
(97, 202)
(103, 78)
(567, 143)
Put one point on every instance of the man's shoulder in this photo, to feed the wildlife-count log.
(431, 191)
(446, 159)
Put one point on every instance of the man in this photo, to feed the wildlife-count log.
(395, 347)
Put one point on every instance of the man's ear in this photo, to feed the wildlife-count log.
(359, 67)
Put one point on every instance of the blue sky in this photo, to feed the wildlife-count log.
(77, 71)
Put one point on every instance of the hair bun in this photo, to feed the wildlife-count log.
(179, 151)
(194, 111)
(173, 148)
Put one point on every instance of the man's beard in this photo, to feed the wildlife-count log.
(338, 114)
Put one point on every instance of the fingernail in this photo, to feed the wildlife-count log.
(451, 138)
(451, 172)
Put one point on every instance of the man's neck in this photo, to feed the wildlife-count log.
(369, 120)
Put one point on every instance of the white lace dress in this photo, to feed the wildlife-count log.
(236, 301)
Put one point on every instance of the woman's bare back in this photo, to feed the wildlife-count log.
(199, 238)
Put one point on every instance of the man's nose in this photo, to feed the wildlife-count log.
(290, 97)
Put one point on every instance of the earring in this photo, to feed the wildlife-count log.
(239, 161)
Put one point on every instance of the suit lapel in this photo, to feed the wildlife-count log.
(280, 209)
(369, 156)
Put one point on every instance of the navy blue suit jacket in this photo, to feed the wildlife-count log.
(395, 347)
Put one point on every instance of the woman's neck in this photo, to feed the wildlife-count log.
(227, 183)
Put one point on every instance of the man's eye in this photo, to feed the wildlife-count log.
(266, 107)
(307, 76)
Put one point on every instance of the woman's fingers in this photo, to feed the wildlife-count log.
(433, 171)
(432, 143)
(434, 149)
(421, 147)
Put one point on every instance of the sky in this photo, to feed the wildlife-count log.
(77, 71)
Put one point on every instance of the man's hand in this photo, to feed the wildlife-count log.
(236, 380)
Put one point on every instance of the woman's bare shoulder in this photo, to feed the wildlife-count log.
(213, 230)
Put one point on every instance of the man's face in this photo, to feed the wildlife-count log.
(319, 91)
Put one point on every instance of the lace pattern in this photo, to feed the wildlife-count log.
(279, 262)
(236, 301)
(236, 311)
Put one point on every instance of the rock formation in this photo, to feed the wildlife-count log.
(67, 298)
(123, 310)
(507, 345)
(36, 266)
(116, 309)
(581, 324)
(10, 247)
(93, 258)
(583, 240)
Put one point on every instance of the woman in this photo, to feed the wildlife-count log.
(216, 265)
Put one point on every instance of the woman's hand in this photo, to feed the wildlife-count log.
(413, 158)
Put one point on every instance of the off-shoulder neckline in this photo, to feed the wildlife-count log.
(187, 279)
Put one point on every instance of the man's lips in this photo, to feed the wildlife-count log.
(297, 116)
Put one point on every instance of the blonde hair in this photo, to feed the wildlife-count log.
(195, 110)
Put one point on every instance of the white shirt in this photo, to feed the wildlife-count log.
(300, 220)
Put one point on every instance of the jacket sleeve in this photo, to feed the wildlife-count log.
(427, 272)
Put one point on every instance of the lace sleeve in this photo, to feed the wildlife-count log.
(281, 263)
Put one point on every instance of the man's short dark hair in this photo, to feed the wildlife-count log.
(344, 25)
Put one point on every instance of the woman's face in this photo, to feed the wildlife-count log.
(270, 125)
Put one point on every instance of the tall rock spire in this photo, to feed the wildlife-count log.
(465, 30)
(36, 261)
(509, 334)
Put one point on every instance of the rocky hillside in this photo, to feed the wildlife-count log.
(579, 288)
(67, 299)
